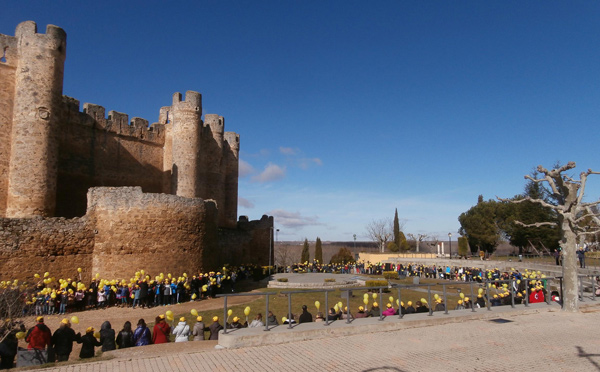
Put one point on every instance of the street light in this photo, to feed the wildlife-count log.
(270, 248)
(450, 244)
(354, 242)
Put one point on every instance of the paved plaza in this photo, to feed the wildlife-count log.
(540, 339)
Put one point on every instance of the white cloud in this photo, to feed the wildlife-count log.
(245, 169)
(293, 220)
(287, 150)
(243, 202)
(272, 172)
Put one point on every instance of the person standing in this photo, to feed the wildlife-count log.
(39, 336)
(142, 335)
(215, 328)
(125, 336)
(107, 337)
(199, 328)
(161, 331)
(89, 342)
(62, 340)
(182, 331)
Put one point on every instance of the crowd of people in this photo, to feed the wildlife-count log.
(63, 296)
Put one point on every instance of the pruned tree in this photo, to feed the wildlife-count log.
(380, 231)
(418, 239)
(285, 255)
(571, 211)
(344, 255)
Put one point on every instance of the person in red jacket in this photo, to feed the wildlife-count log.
(161, 331)
(39, 336)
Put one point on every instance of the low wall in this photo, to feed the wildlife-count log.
(380, 257)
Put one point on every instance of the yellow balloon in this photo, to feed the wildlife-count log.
(170, 318)
(229, 312)
(20, 335)
(194, 312)
(169, 313)
(374, 296)
(365, 301)
(46, 274)
(79, 269)
(398, 302)
(336, 308)
(480, 291)
(317, 305)
(366, 295)
(391, 299)
(424, 301)
(37, 276)
(247, 311)
(436, 296)
(283, 319)
(74, 319)
(97, 334)
(462, 295)
(194, 296)
(340, 305)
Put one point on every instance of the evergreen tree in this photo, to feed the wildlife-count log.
(397, 242)
(463, 246)
(480, 225)
(318, 251)
(305, 256)
(404, 246)
(342, 256)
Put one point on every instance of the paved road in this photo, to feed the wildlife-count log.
(546, 341)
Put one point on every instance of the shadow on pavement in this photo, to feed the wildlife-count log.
(583, 354)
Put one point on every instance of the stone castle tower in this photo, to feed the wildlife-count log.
(46, 140)
(80, 188)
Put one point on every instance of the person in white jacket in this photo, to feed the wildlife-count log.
(182, 331)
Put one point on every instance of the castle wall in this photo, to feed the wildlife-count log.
(8, 50)
(99, 151)
(247, 243)
(154, 232)
(36, 245)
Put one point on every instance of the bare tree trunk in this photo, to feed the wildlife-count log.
(570, 281)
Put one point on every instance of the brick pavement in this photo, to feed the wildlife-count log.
(549, 340)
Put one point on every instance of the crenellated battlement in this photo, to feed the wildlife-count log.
(55, 38)
(119, 123)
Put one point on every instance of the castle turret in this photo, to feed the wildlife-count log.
(186, 125)
(212, 160)
(231, 155)
(37, 99)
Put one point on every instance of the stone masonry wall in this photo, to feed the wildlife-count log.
(248, 243)
(154, 232)
(37, 245)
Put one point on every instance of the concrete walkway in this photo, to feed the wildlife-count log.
(541, 338)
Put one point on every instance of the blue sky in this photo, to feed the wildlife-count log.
(350, 109)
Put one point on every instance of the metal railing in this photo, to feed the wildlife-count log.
(513, 289)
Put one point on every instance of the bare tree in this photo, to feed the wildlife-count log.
(571, 212)
(285, 255)
(418, 239)
(381, 232)
(13, 297)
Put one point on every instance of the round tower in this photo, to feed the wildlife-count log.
(38, 92)
(214, 175)
(186, 124)
(231, 164)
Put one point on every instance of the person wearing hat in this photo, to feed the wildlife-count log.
(39, 336)
(161, 331)
(62, 340)
(389, 311)
(410, 309)
(375, 310)
(439, 305)
(88, 342)
(182, 331)
(215, 328)
(361, 312)
(235, 323)
(199, 328)
(459, 305)
(305, 317)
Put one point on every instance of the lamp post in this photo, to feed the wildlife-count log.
(450, 244)
(270, 248)
(354, 241)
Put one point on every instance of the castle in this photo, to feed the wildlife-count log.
(109, 194)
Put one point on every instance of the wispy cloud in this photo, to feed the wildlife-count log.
(287, 150)
(272, 172)
(245, 169)
(243, 202)
(294, 220)
(307, 162)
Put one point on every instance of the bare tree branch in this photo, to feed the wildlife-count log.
(537, 224)
(380, 231)
(538, 201)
